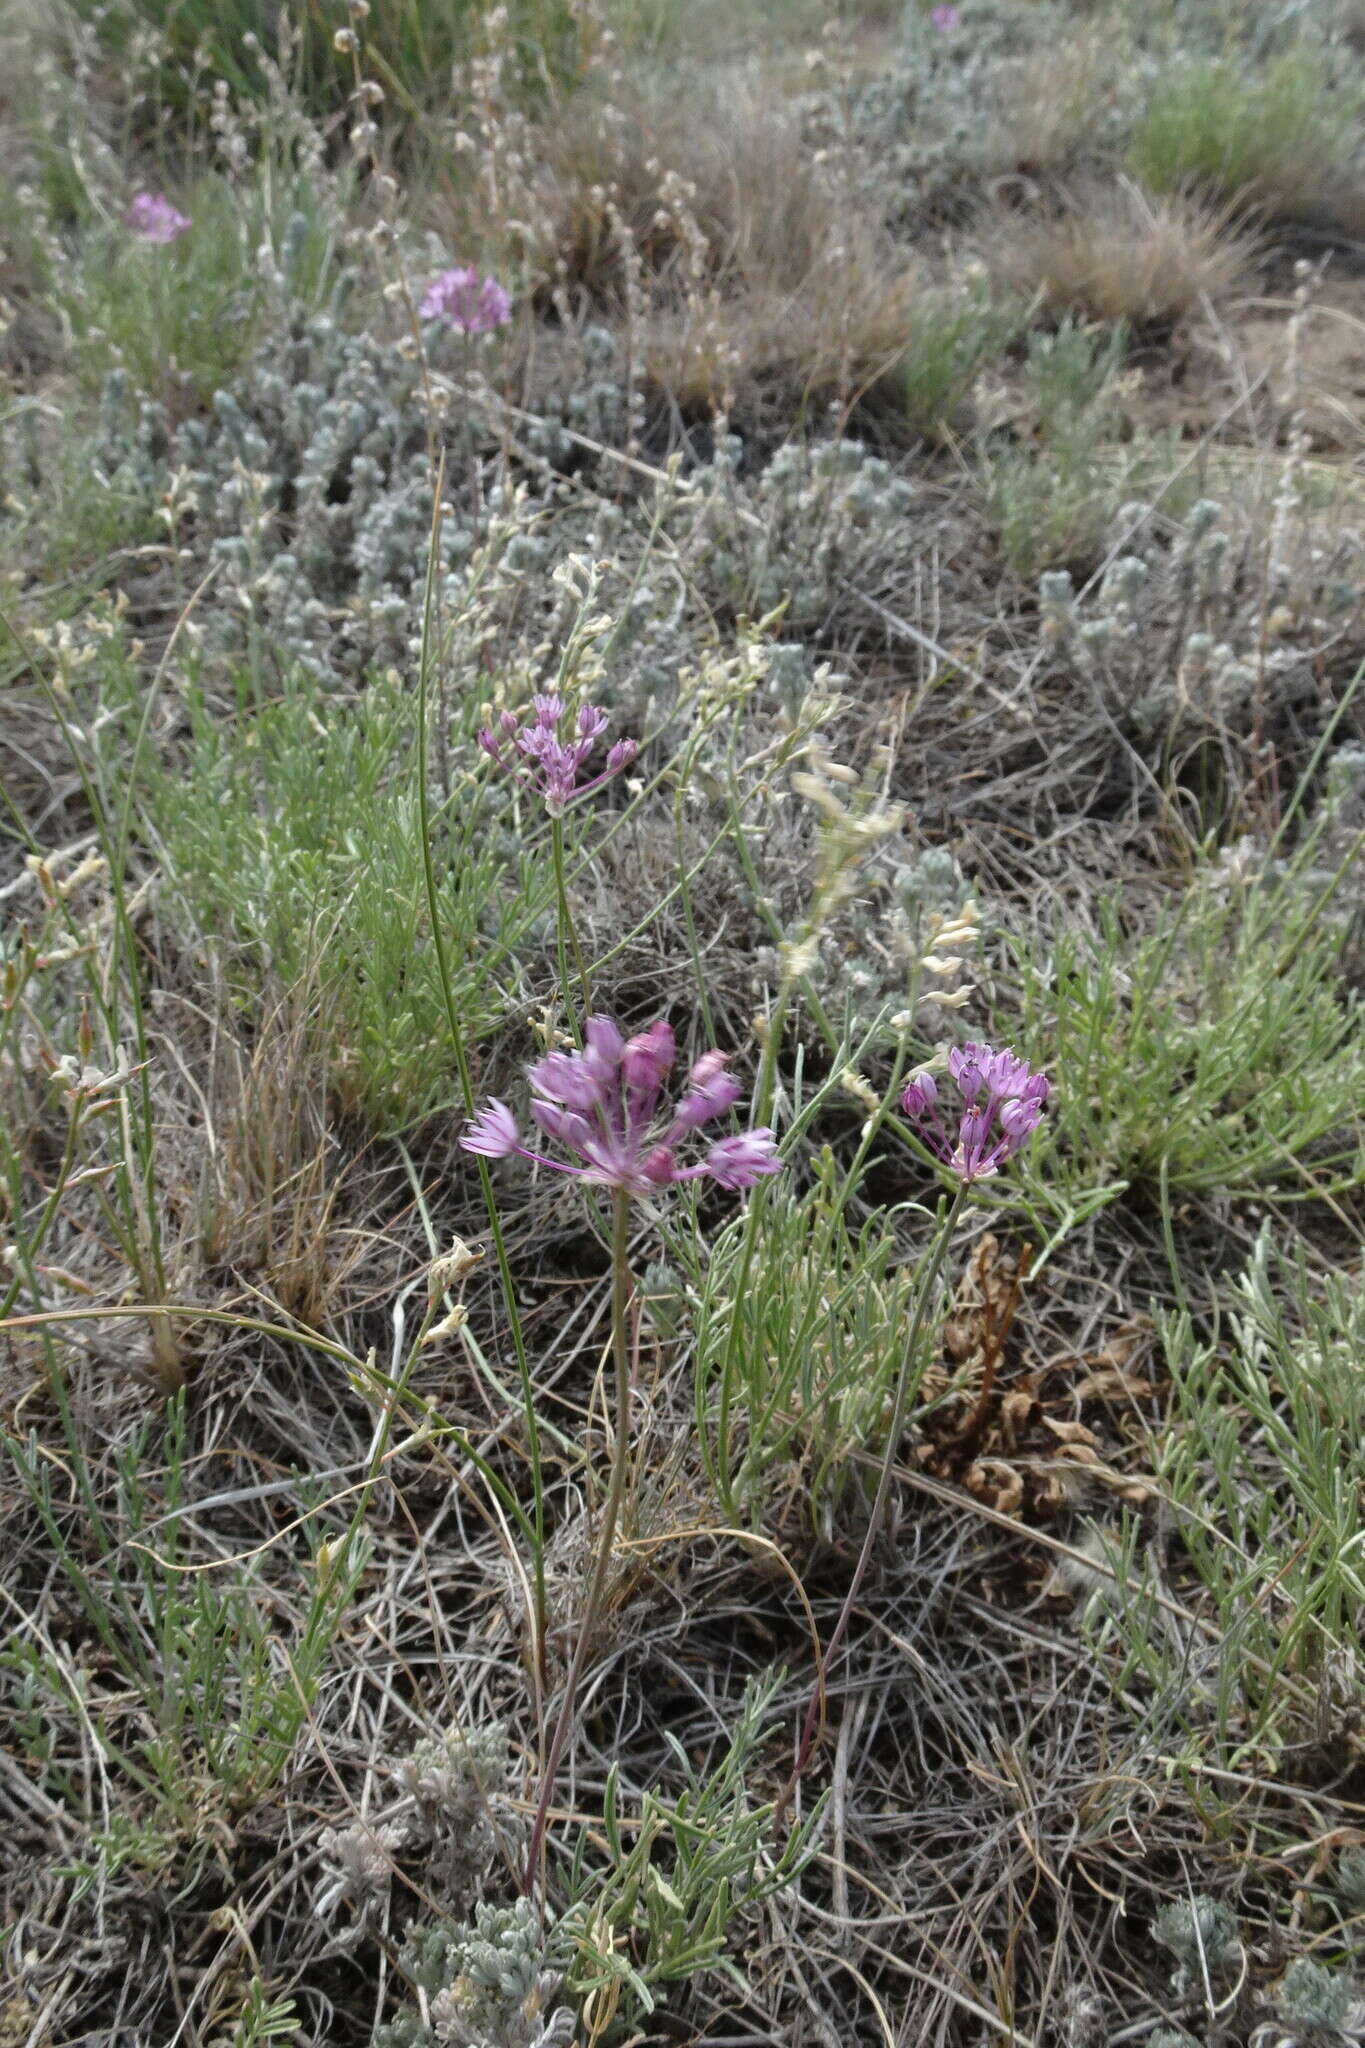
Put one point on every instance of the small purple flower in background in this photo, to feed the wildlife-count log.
(152, 216)
(467, 302)
(603, 1105)
(945, 19)
(536, 755)
(1003, 1103)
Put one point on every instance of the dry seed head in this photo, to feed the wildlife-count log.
(818, 792)
(961, 929)
(451, 1266)
(93, 864)
(448, 1325)
(860, 1088)
(800, 958)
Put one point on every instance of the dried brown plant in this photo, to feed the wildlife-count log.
(1119, 253)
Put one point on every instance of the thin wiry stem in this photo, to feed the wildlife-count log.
(567, 935)
(611, 1515)
(458, 1047)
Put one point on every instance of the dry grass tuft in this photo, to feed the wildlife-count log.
(272, 1170)
(832, 334)
(1118, 253)
(1054, 97)
(744, 263)
(730, 181)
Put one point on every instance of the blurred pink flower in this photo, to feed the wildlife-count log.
(467, 302)
(152, 216)
(945, 19)
(602, 1105)
(1003, 1103)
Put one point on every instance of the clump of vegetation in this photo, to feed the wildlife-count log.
(298, 845)
(1055, 496)
(1239, 1000)
(186, 45)
(680, 1054)
(951, 338)
(1114, 253)
(1284, 133)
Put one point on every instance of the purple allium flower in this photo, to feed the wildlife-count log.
(152, 216)
(603, 1105)
(493, 1132)
(1003, 1104)
(549, 765)
(945, 19)
(467, 302)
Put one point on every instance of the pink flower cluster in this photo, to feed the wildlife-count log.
(603, 1106)
(945, 19)
(467, 302)
(152, 216)
(1003, 1104)
(536, 755)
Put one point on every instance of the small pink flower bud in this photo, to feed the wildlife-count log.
(921, 1093)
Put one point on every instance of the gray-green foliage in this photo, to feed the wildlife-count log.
(183, 318)
(661, 1906)
(307, 487)
(456, 1784)
(795, 530)
(594, 402)
(690, 1877)
(1318, 1999)
(451, 1817)
(264, 2018)
(1259, 1463)
(952, 336)
(937, 108)
(870, 956)
(77, 490)
(1203, 1936)
(1351, 1880)
(414, 46)
(490, 1981)
(1230, 647)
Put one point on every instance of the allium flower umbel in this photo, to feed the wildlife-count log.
(1002, 1104)
(152, 216)
(467, 302)
(547, 764)
(605, 1105)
